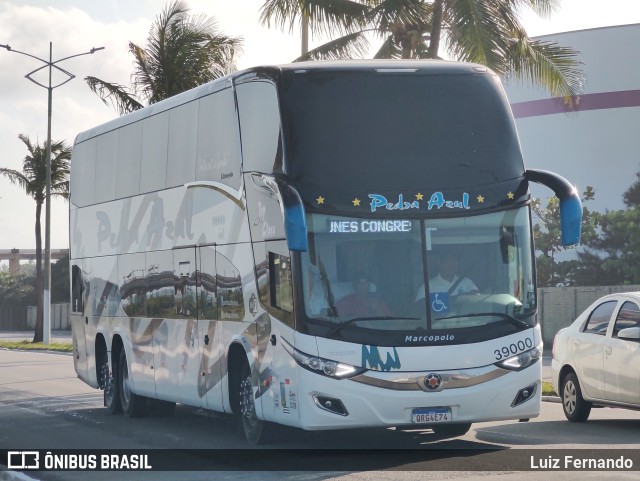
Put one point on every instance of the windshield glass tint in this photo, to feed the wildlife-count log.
(364, 279)
(339, 126)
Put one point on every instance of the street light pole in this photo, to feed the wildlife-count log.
(50, 64)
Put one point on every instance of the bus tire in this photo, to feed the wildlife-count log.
(575, 408)
(250, 426)
(133, 405)
(111, 392)
(451, 430)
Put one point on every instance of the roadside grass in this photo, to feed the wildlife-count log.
(36, 346)
(547, 389)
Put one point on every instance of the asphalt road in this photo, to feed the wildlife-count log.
(44, 406)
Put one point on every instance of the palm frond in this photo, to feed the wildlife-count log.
(476, 31)
(544, 8)
(15, 177)
(388, 49)
(33, 178)
(555, 67)
(388, 15)
(328, 17)
(354, 45)
(113, 94)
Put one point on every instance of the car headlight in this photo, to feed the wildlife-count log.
(522, 360)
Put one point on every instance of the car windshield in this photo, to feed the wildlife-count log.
(383, 281)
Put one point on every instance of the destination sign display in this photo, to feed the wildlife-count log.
(335, 226)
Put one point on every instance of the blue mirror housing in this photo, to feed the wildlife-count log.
(570, 203)
(295, 221)
(295, 226)
(570, 220)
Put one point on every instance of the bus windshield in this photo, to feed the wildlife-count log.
(411, 281)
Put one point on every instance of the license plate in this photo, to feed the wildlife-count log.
(431, 415)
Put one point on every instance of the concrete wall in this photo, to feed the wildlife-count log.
(559, 306)
(597, 145)
(59, 317)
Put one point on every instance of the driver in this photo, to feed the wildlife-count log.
(362, 302)
(447, 280)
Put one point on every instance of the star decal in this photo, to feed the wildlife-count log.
(356, 202)
(480, 199)
(419, 196)
(320, 200)
(510, 195)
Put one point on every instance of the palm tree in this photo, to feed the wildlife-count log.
(482, 31)
(33, 179)
(182, 52)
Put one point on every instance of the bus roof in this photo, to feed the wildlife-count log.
(428, 67)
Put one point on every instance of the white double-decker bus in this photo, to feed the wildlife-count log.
(320, 245)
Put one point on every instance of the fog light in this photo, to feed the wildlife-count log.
(330, 404)
(524, 395)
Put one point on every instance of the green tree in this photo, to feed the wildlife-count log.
(488, 32)
(631, 197)
(17, 291)
(554, 265)
(613, 258)
(33, 179)
(182, 52)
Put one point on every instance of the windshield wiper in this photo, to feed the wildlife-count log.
(505, 317)
(338, 327)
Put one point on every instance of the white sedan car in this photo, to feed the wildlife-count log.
(595, 359)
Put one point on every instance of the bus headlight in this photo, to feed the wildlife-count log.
(522, 360)
(326, 367)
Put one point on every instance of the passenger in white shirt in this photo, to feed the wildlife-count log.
(447, 281)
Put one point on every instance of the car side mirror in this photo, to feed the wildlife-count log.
(631, 333)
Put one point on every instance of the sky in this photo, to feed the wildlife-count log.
(75, 26)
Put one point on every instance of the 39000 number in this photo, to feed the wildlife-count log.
(513, 349)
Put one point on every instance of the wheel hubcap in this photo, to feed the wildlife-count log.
(247, 408)
(126, 393)
(570, 397)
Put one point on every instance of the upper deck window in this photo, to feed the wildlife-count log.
(398, 130)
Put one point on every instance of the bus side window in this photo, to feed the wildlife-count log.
(280, 282)
(274, 286)
(77, 304)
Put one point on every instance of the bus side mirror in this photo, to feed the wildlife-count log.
(570, 203)
(570, 220)
(295, 227)
(295, 223)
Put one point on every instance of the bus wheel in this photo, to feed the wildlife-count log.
(133, 405)
(451, 430)
(111, 392)
(252, 427)
(575, 408)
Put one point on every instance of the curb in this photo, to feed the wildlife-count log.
(551, 399)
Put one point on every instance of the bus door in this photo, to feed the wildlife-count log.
(210, 369)
(79, 317)
(234, 276)
(176, 344)
(279, 337)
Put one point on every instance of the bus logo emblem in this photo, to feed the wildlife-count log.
(433, 382)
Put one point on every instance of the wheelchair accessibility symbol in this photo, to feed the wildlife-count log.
(439, 302)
